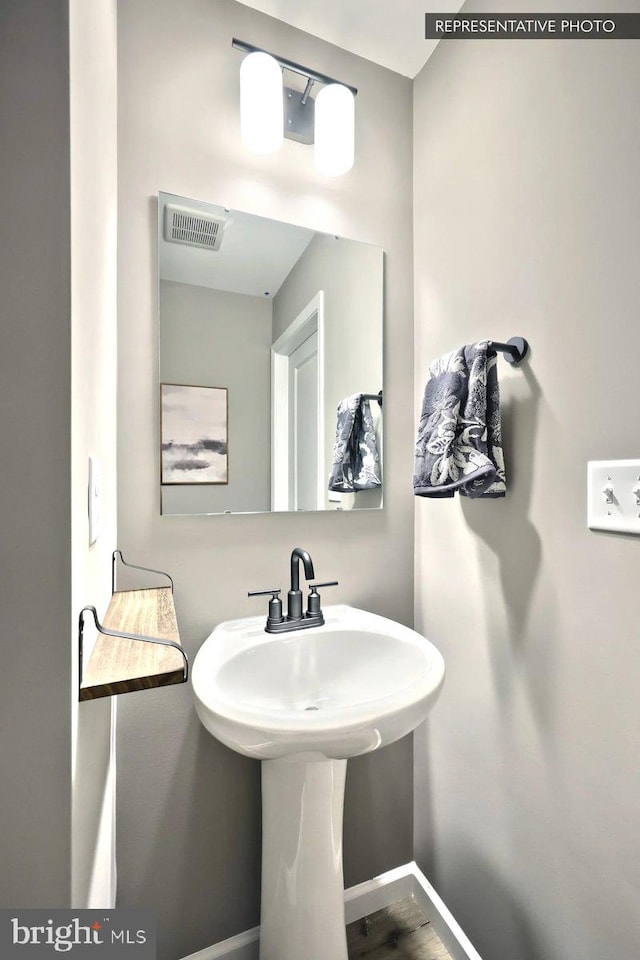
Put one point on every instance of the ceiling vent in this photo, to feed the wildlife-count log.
(193, 227)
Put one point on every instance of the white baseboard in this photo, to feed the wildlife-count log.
(442, 920)
(244, 946)
(360, 901)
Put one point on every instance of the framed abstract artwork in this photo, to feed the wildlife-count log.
(194, 426)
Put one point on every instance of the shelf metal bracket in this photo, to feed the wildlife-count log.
(121, 635)
(133, 566)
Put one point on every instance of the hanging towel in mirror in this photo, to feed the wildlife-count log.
(459, 445)
(356, 462)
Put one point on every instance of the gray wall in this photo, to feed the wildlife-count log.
(351, 276)
(213, 338)
(35, 545)
(527, 215)
(57, 396)
(189, 809)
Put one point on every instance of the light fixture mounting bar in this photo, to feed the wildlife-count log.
(291, 65)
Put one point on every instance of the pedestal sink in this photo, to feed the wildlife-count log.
(303, 703)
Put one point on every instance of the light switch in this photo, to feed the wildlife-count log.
(95, 499)
(613, 495)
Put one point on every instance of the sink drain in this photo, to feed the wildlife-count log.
(311, 708)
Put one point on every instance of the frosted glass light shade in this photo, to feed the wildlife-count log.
(334, 130)
(261, 103)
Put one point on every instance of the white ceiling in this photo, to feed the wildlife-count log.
(255, 257)
(388, 32)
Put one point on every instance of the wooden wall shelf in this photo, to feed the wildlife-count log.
(138, 645)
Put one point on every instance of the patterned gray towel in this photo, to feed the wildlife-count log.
(356, 462)
(459, 445)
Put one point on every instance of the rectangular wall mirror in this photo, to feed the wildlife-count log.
(265, 328)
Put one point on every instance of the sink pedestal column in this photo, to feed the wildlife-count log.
(302, 912)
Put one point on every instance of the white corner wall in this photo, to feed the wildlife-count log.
(93, 99)
(527, 221)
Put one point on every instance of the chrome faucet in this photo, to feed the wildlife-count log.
(295, 619)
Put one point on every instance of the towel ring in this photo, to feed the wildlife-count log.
(514, 350)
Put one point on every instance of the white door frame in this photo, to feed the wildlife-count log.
(309, 319)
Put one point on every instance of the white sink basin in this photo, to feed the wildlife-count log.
(303, 702)
(346, 688)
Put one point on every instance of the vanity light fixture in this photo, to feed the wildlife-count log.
(261, 106)
(270, 110)
(334, 130)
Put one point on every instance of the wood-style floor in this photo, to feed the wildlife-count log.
(399, 932)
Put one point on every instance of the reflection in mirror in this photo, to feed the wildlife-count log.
(267, 331)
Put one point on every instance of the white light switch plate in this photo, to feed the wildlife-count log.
(613, 495)
(95, 499)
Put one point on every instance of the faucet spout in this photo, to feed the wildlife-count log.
(298, 554)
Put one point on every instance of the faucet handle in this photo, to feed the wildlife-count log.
(313, 602)
(275, 604)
